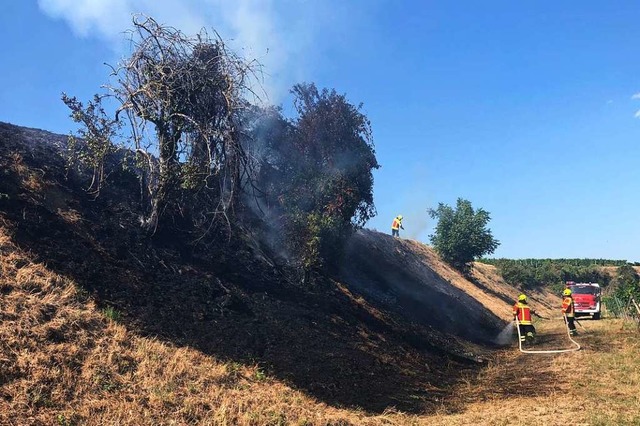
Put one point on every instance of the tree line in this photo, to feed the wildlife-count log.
(573, 262)
(624, 286)
(554, 273)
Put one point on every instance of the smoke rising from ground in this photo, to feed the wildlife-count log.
(284, 36)
(420, 221)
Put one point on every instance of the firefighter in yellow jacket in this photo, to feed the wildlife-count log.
(569, 311)
(396, 226)
(522, 314)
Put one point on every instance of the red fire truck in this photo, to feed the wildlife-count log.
(586, 298)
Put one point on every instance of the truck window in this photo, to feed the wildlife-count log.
(583, 290)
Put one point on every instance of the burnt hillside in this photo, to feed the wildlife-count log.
(389, 332)
(408, 278)
(393, 272)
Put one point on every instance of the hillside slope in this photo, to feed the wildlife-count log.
(99, 320)
(408, 278)
(401, 274)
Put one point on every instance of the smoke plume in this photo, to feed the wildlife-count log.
(279, 34)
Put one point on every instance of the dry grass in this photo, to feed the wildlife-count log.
(31, 178)
(63, 362)
(612, 270)
(489, 288)
(490, 301)
(596, 386)
(488, 276)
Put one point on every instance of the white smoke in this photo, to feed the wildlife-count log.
(279, 34)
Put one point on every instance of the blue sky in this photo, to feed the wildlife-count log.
(526, 109)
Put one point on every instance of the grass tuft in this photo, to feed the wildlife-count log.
(111, 313)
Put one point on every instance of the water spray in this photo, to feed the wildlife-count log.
(504, 337)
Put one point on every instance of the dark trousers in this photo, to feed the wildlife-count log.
(395, 232)
(570, 323)
(524, 329)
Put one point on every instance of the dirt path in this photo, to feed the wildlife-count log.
(513, 374)
(596, 385)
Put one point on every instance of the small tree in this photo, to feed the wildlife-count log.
(461, 234)
(317, 174)
(333, 137)
(95, 139)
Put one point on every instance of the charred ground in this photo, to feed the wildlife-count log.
(388, 331)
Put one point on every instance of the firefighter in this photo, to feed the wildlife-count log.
(568, 310)
(396, 226)
(522, 314)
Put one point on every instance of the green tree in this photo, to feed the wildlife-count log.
(461, 234)
(334, 138)
(317, 173)
(94, 143)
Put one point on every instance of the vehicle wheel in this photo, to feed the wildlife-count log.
(596, 316)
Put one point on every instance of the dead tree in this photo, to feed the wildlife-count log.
(181, 96)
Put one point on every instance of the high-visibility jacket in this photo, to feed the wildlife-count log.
(522, 312)
(395, 225)
(567, 306)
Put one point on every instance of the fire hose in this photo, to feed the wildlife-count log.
(555, 351)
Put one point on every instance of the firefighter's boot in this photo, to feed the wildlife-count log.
(531, 338)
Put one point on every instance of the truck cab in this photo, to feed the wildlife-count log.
(586, 298)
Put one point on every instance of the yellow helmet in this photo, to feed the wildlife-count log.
(399, 217)
(522, 298)
(566, 292)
